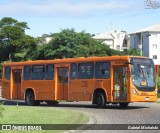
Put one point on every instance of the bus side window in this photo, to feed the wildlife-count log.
(102, 70)
(86, 70)
(49, 72)
(89, 70)
(73, 72)
(81, 70)
(27, 73)
(38, 72)
(7, 73)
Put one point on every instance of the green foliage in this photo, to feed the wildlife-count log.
(39, 115)
(12, 31)
(1, 109)
(111, 52)
(135, 52)
(26, 50)
(12, 34)
(15, 45)
(159, 71)
(158, 84)
(69, 44)
(158, 80)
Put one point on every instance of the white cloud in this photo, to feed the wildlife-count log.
(67, 7)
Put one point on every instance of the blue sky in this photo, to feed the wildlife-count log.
(93, 16)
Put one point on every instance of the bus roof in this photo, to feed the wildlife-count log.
(71, 60)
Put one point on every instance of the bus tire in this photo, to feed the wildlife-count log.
(123, 105)
(101, 102)
(30, 99)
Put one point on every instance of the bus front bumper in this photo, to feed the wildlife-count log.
(136, 98)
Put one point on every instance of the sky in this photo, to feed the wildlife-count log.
(91, 16)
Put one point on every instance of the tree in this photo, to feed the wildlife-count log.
(135, 52)
(69, 44)
(111, 52)
(126, 52)
(15, 45)
(11, 34)
(27, 50)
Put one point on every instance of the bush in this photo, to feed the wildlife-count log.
(158, 84)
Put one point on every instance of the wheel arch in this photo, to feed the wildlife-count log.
(30, 90)
(96, 91)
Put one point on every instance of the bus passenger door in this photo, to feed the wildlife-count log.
(17, 77)
(63, 73)
(120, 83)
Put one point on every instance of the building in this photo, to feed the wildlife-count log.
(48, 39)
(118, 40)
(148, 42)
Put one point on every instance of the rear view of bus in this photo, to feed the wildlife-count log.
(143, 80)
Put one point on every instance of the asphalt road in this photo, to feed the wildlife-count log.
(136, 113)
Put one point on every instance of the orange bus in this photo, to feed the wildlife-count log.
(102, 80)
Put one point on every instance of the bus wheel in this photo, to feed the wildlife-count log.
(101, 102)
(52, 103)
(30, 100)
(123, 105)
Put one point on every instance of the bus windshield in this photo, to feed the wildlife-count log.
(143, 72)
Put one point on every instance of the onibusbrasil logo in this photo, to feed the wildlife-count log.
(152, 4)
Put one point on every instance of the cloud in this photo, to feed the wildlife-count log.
(57, 7)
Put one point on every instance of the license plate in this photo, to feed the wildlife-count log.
(147, 99)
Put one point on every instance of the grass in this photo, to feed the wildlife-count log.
(40, 115)
(158, 95)
(1, 110)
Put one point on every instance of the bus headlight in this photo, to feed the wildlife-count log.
(134, 91)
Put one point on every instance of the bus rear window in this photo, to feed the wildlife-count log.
(7, 73)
